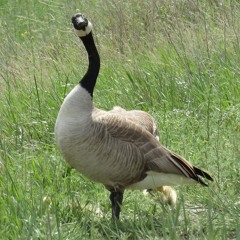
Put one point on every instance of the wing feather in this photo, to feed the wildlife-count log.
(141, 118)
(156, 157)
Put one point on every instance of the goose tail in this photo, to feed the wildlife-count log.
(202, 173)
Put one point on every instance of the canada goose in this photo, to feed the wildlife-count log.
(117, 148)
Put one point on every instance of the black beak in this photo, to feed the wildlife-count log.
(79, 22)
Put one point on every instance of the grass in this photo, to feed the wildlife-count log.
(178, 60)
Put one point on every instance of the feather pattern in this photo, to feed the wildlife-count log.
(156, 157)
(114, 148)
(139, 117)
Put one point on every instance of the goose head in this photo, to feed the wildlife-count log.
(82, 26)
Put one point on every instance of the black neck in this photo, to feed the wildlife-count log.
(89, 80)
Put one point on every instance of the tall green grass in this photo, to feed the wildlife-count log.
(178, 60)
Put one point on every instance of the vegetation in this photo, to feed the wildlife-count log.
(179, 60)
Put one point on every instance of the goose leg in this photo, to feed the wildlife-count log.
(116, 199)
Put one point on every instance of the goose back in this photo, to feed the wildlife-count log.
(139, 117)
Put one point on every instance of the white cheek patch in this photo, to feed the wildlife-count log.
(83, 33)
